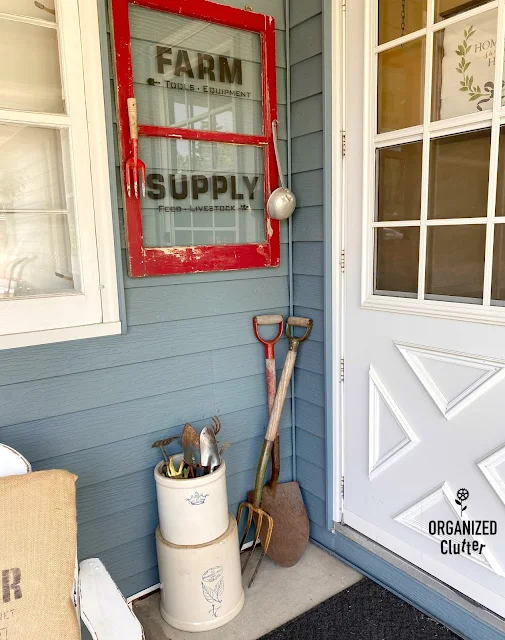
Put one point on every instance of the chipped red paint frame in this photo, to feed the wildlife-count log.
(155, 261)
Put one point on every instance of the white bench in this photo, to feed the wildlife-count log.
(96, 598)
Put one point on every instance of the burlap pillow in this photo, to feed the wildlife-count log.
(38, 540)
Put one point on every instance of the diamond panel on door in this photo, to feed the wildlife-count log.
(453, 380)
(390, 433)
(493, 467)
(440, 505)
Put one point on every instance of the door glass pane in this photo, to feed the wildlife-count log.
(498, 280)
(396, 261)
(399, 182)
(194, 74)
(398, 18)
(202, 193)
(401, 86)
(38, 245)
(459, 172)
(455, 263)
(500, 186)
(30, 80)
(448, 8)
(463, 67)
(30, 8)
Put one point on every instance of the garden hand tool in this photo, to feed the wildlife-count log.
(209, 451)
(271, 380)
(161, 444)
(289, 508)
(134, 166)
(215, 424)
(173, 472)
(190, 442)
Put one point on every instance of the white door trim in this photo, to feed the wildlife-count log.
(334, 117)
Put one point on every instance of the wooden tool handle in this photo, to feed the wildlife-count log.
(280, 396)
(269, 319)
(132, 117)
(299, 322)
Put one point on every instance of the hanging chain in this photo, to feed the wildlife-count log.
(403, 18)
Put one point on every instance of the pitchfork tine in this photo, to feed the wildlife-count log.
(142, 169)
(256, 538)
(265, 547)
(249, 521)
(128, 180)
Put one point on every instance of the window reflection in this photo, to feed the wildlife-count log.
(455, 263)
(397, 253)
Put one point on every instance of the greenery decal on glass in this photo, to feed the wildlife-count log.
(468, 85)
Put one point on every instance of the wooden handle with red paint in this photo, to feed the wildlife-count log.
(269, 319)
(132, 118)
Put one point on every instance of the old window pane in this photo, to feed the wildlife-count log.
(398, 18)
(399, 182)
(31, 8)
(401, 86)
(202, 193)
(35, 255)
(31, 168)
(193, 74)
(455, 263)
(396, 260)
(30, 70)
(38, 247)
(459, 173)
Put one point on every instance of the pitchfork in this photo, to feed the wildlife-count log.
(254, 510)
(134, 165)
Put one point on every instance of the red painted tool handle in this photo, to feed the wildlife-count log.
(269, 344)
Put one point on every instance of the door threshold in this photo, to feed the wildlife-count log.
(434, 584)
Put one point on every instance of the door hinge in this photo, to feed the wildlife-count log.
(342, 486)
(343, 143)
(341, 369)
(342, 260)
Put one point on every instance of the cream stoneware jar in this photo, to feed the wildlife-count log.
(201, 585)
(192, 511)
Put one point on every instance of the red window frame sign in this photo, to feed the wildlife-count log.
(154, 261)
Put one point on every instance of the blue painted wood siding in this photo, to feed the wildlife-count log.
(95, 406)
(306, 67)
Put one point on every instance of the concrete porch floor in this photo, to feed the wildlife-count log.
(277, 596)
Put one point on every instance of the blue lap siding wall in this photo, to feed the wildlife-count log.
(95, 406)
(307, 131)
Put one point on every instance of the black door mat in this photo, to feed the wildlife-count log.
(365, 611)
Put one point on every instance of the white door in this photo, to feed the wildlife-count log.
(424, 398)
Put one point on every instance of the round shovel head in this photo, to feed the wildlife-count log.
(291, 525)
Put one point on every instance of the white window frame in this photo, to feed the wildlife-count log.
(95, 311)
(492, 119)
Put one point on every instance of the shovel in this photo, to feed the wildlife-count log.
(271, 380)
(285, 503)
